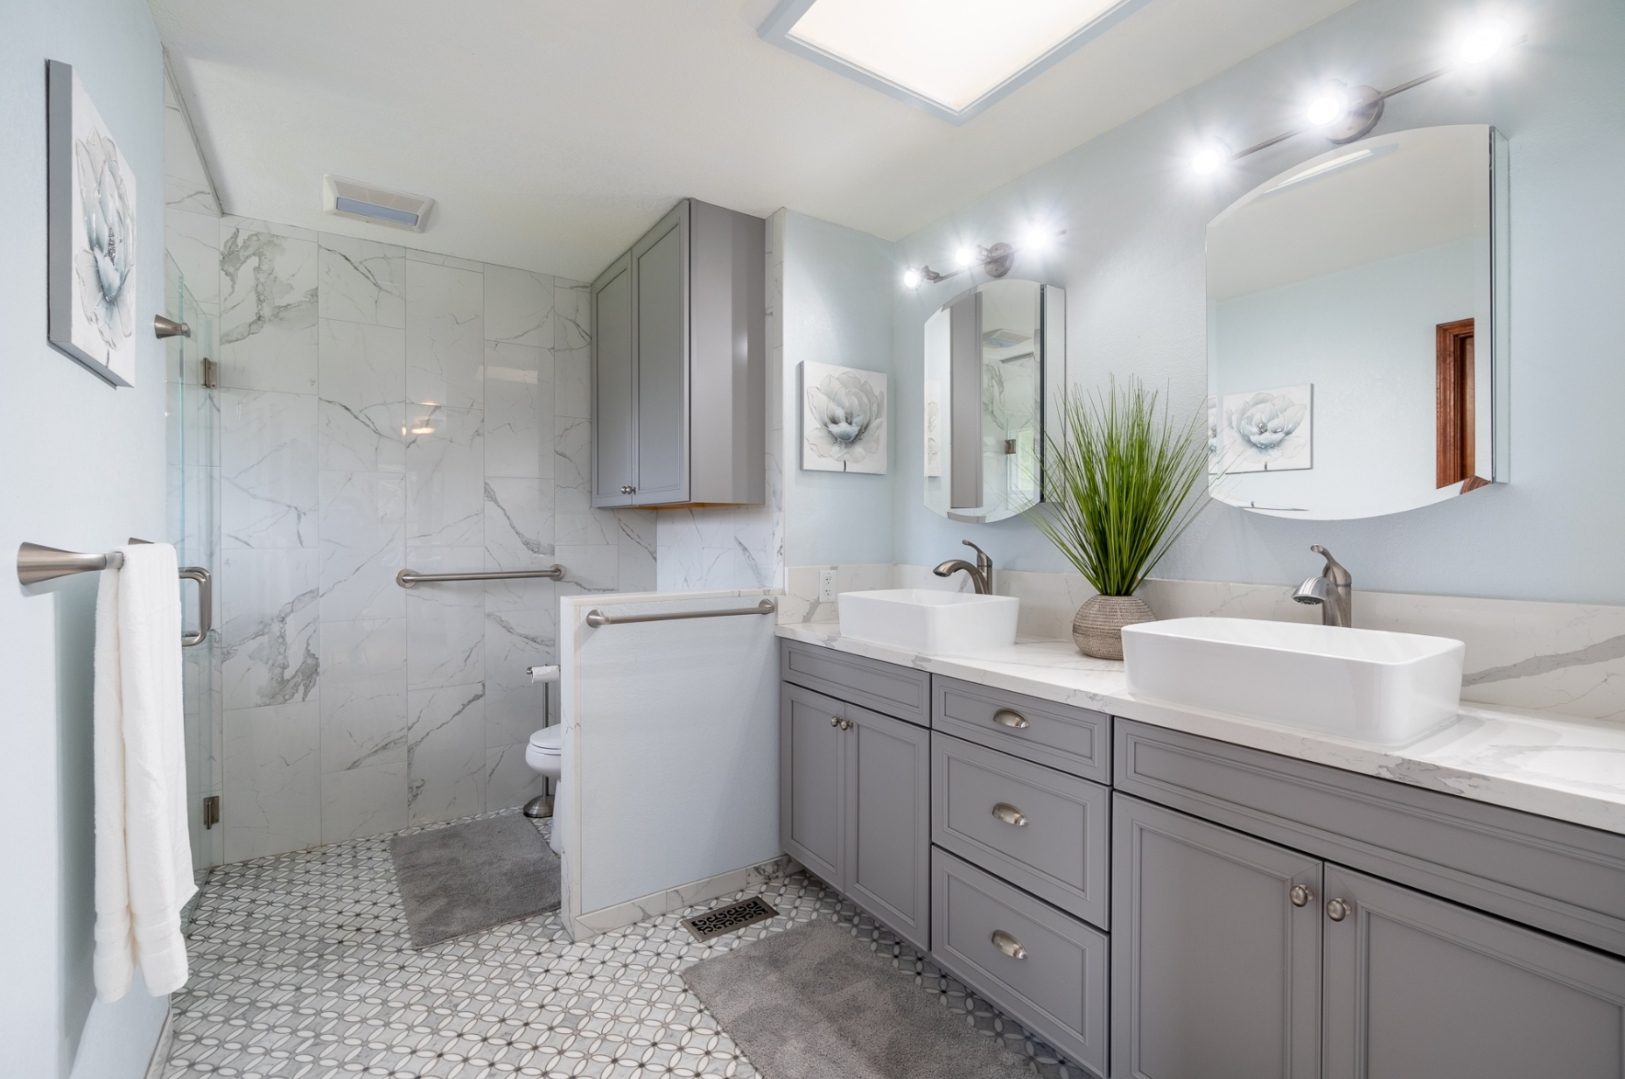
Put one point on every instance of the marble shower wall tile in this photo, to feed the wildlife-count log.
(509, 781)
(362, 524)
(268, 307)
(518, 307)
(362, 387)
(572, 348)
(268, 632)
(445, 476)
(445, 336)
(272, 782)
(445, 752)
(514, 641)
(363, 697)
(445, 623)
(518, 524)
(268, 466)
(362, 281)
(518, 411)
(364, 801)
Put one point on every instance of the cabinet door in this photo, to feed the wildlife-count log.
(660, 274)
(613, 428)
(1215, 970)
(888, 821)
(1419, 986)
(812, 768)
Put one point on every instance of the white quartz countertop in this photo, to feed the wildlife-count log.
(1569, 769)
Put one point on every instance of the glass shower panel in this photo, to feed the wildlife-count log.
(193, 421)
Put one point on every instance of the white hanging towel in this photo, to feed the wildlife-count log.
(143, 856)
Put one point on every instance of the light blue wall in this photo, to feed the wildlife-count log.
(838, 286)
(82, 468)
(1131, 263)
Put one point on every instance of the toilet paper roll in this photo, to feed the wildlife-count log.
(547, 673)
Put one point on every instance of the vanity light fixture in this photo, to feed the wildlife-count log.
(1343, 113)
(995, 261)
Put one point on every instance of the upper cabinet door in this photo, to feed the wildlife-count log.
(660, 273)
(614, 432)
(1215, 952)
(1418, 986)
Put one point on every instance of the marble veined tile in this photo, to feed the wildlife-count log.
(363, 698)
(268, 631)
(272, 781)
(518, 410)
(509, 781)
(362, 388)
(362, 523)
(572, 350)
(445, 623)
(445, 336)
(515, 641)
(268, 466)
(445, 476)
(363, 801)
(518, 307)
(268, 285)
(362, 281)
(518, 524)
(636, 543)
(192, 241)
(445, 752)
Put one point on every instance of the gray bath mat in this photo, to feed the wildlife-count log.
(816, 1003)
(471, 876)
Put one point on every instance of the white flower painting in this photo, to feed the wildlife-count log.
(1268, 430)
(843, 419)
(92, 230)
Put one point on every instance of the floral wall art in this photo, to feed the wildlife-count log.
(91, 226)
(843, 419)
(1267, 430)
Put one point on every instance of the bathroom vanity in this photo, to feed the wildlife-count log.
(1171, 895)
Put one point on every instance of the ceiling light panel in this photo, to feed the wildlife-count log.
(953, 57)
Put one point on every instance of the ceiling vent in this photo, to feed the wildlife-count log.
(363, 202)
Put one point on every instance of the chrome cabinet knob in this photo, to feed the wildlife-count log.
(835, 721)
(1004, 717)
(1300, 895)
(1008, 945)
(1338, 909)
(846, 724)
(1009, 814)
(626, 488)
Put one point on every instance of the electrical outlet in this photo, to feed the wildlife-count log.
(826, 586)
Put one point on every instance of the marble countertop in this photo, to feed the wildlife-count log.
(1569, 769)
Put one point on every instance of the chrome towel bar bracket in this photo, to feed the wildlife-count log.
(597, 618)
(37, 563)
(406, 578)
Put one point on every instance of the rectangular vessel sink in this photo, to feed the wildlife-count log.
(1371, 685)
(928, 621)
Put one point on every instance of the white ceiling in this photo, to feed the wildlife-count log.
(553, 132)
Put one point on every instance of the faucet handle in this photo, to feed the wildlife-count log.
(1334, 569)
(979, 552)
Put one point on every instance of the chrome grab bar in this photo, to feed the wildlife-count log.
(406, 578)
(597, 618)
(37, 563)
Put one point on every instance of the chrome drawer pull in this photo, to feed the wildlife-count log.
(1009, 814)
(1008, 945)
(1004, 717)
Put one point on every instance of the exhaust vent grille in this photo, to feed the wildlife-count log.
(364, 202)
(719, 920)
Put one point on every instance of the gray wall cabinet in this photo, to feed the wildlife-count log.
(854, 805)
(679, 364)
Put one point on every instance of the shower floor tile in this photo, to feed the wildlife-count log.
(302, 969)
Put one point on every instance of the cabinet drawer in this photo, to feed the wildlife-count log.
(883, 687)
(1043, 830)
(1556, 876)
(1074, 740)
(1057, 988)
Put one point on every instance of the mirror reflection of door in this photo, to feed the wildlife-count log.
(1457, 430)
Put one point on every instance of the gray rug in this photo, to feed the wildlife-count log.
(816, 1003)
(471, 876)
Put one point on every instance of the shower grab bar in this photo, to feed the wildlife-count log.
(406, 578)
(597, 618)
(37, 563)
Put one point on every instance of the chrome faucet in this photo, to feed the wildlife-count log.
(1333, 589)
(981, 574)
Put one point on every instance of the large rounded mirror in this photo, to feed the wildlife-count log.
(1355, 365)
(995, 361)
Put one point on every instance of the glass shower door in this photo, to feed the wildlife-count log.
(193, 422)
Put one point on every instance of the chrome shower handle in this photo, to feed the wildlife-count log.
(205, 604)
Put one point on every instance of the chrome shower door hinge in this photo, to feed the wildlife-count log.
(211, 374)
(211, 811)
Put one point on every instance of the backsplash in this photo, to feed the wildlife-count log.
(1565, 658)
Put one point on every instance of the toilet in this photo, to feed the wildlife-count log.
(544, 755)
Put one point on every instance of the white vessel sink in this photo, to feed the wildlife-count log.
(928, 621)
(1370, 685)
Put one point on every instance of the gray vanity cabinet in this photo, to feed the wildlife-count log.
(854, 805)
(679, 364)
(1419, 986)
(1215, 951)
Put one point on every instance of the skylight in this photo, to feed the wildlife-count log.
(954, 57)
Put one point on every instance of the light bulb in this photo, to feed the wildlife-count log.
(1210, 157)
(1329, 105)
(964, 257)
(1483, 42)
(911, 278)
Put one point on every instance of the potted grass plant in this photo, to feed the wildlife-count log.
(1121, 486)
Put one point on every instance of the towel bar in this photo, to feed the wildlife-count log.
(37, 563)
